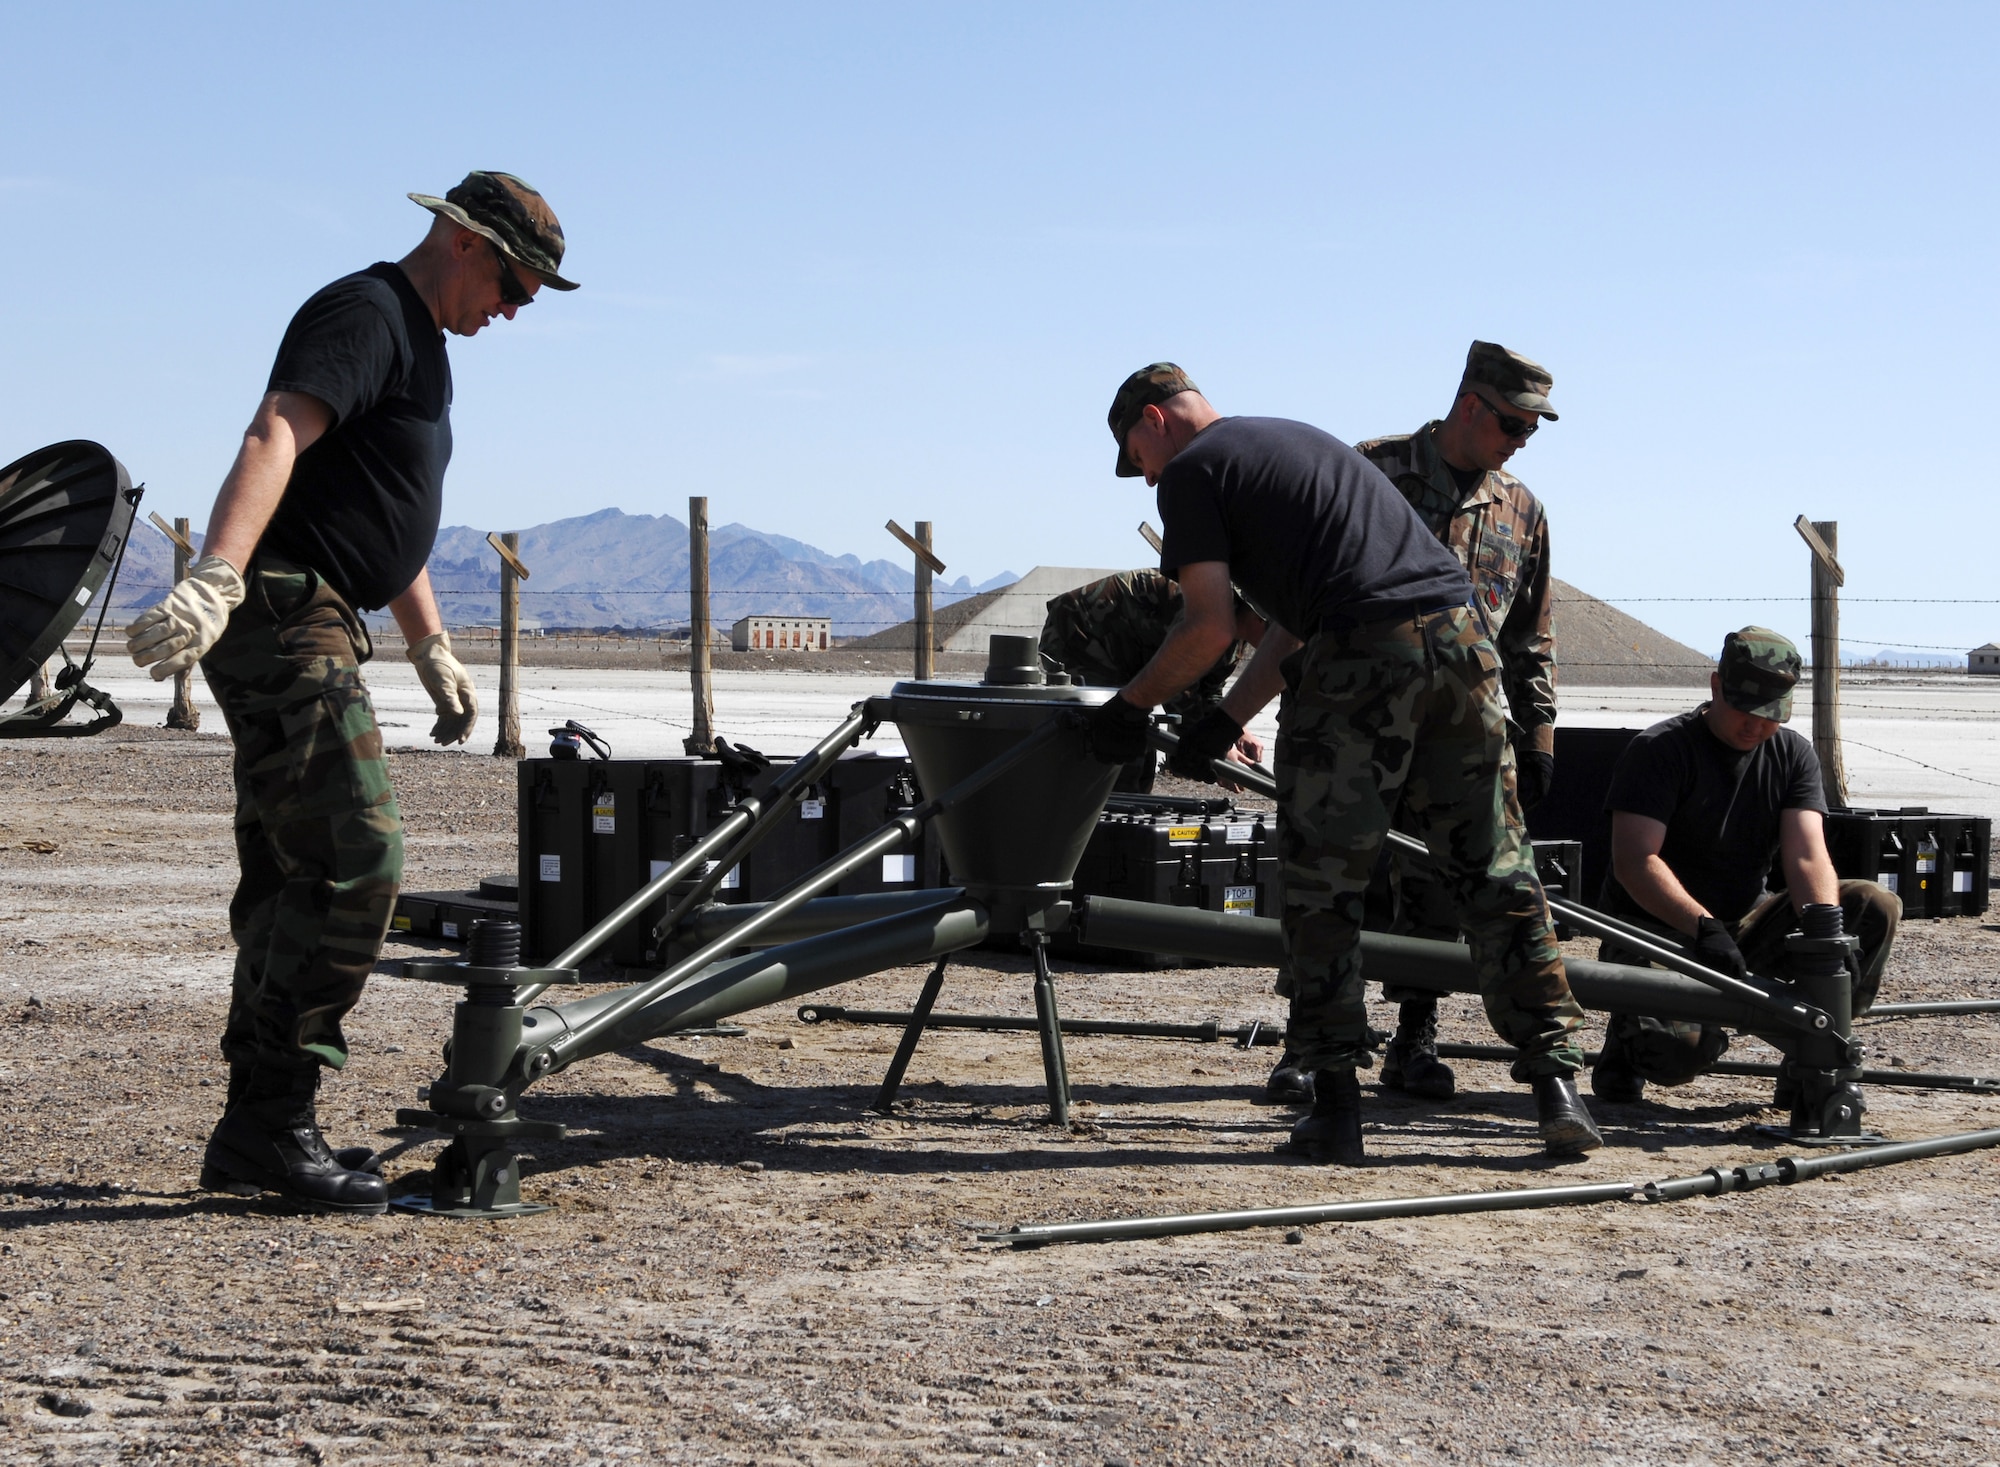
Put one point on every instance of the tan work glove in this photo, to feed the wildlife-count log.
(176, 634)
(449, 685)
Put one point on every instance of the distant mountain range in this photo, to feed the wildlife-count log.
(612, 569)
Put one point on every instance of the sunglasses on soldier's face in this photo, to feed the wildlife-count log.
(1512, 426)
(512, 292)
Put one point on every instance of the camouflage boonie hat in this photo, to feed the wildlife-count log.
(1144, 387)
(1759, 670)
(1517, 380)
(512, 215)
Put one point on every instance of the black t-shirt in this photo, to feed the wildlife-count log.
(1720, 806)
(1311, 530)
(363, 504)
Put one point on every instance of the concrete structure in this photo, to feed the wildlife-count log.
(782, 634)
(1020, 609)
(1984, 659)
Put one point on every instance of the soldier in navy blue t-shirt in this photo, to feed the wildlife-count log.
(330, 510)
(1393, 703)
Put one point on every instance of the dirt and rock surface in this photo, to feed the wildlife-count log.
(746, 1264)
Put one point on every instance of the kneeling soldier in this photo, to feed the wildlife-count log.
(1701, 804)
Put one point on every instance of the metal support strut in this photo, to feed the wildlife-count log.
(913, 1030)
(1054, 1065)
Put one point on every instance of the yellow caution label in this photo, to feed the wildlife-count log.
(1183, 834)
(400, 924)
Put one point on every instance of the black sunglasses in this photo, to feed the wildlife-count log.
(1512, 426)
(512, 292)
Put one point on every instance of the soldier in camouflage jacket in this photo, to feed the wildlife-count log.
(1102, 633)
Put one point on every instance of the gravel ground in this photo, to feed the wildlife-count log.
(747, 1265)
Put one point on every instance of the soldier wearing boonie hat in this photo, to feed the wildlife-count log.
(1702, 804)
(1452, 472)
(330, 510)
(1390, 688)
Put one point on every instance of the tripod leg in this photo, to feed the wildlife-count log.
(1054, 1066)
(906, 1050)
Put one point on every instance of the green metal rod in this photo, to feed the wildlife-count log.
(1927, 1009)
(820, 915)
(1210, 1032)
(898, 832)
(1712, 1182)
(1501, 1054)
(1789, 1012)
(786, 790)
(752, 819)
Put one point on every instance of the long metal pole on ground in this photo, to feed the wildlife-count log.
(508, 745)
(700, 667)
(925, 639)
(183, 713)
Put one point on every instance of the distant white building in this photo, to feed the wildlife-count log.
(1984, 659)
(782, 634)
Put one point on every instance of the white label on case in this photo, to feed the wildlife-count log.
(551, 868)
(1961, 881)
(449, 929)
(1239, 901)
(83, 595)
(604, 815)
(656, 869)
(899, 868)
(731, 880)
(1239, 835)
(1886, 878)
(812, 809)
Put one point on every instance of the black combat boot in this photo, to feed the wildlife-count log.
(1612, 1078)
(1411, 1062)
(351, 1158)
(1332, 1131)
(1288, 1085)
(269, 1141)
(1567, 1129)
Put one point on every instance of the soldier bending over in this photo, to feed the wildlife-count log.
(1394, 702)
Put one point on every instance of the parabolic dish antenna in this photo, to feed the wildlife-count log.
(65, 513)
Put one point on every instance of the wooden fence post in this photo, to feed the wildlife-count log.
(1823, 536)
(182, 713)
(928, 564)
(700, 665)
(508, 745)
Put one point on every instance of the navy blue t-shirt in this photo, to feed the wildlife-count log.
(1312, 531)
(363, 503)
(1720, 806)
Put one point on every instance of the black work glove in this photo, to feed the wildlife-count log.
(1116, 730)
(1713, 947)
(1534, 772)
(1204, 741)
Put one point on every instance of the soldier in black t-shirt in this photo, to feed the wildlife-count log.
(1701, 805)
(1393, 702)
(329, 510)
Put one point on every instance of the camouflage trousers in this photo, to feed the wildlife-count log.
(319, 840)
(1404, 716)
(1674, 1051)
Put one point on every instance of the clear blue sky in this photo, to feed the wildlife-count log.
(847, 262)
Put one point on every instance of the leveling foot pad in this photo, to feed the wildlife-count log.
(420, 1202)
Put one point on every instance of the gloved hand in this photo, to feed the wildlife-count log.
(176, 634)
(1115, 730)
(449, 685)
(1713, 947)
(1204, 741)
(1534, 772)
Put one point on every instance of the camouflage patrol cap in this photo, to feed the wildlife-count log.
(1512, 376)
(1759, 670)
(1144, 387)
(512, 215)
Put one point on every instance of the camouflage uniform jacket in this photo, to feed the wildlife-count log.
(1500, 535)
(1103, 633)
